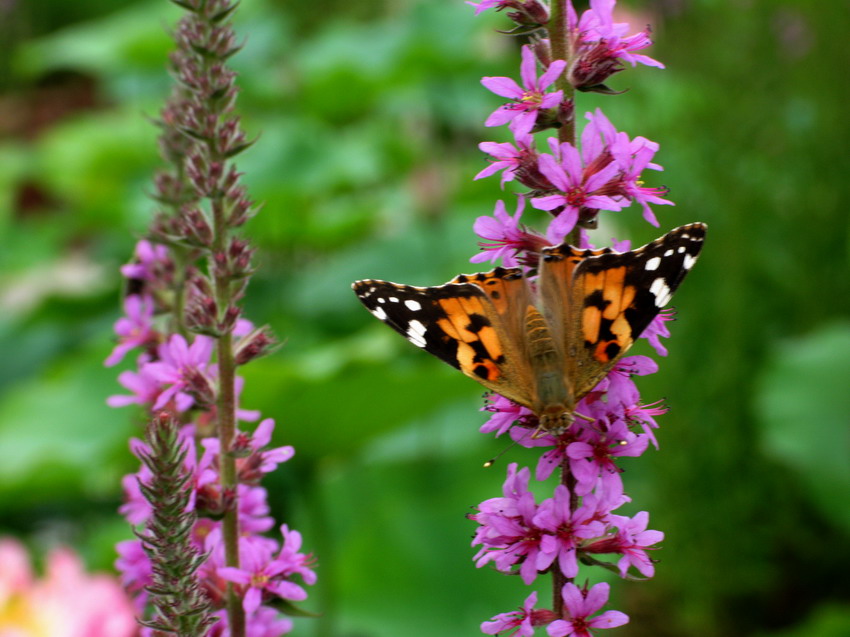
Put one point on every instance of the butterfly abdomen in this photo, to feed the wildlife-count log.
(553, 397)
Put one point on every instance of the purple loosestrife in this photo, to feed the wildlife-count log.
(200, 564)
(573, 178)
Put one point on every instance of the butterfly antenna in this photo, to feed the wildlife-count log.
(493, 460)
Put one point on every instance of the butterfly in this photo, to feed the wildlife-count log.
(546, 342)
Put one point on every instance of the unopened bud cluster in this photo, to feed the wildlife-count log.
(183, 319)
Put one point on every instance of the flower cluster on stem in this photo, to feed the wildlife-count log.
(571, 177)
(202, 559)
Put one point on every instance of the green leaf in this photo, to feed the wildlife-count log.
(802, 405)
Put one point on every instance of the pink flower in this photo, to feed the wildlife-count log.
(135, 568)
(592, 460)
(580, 188)
(563, 530)
(504, 236)
(632, 540)
(255, 460)
(254, 509)
(602, 46)
(632, 156)
(529, 98)
(180, 366)
(658, 328)
(643, 415)
(152, 264)
(579, 605)
(65, 602)
(135, 329)
(520, 622)
(508, 158)
(613, 34)
(261, 573)
(507, 532)
(146, 389)
(621, 391)
(505, 414)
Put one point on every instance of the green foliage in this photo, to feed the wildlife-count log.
(367, 117)
(803, 405)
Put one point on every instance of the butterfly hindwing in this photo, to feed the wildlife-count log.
(471, 323)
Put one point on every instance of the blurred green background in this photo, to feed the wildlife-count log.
(368, 115)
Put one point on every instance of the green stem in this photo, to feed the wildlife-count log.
(226, 408)
(560, 42)
(558, 578)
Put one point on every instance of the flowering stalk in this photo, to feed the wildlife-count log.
(183, 318)
(573, 178)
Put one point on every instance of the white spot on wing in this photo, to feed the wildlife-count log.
(689, 261)
(393, 299)
(412, 305)
(416, 333)
(379, 313)
(681, 249)
(653, 263)
(661, 291)
(382, 300)
(668, 253)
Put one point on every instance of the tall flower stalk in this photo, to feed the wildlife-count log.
(184, 320)
(572, 177)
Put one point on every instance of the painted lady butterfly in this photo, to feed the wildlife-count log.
(543, 343)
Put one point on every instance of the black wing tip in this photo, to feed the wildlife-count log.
(695, 230)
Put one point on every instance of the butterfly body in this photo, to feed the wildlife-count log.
(546, 343)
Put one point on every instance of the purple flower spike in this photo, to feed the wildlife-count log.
(579, 606)
(529, 98)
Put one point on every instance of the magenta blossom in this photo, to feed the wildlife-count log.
(565, 530)
(643, 415)
(529, 98)
(151, 260)
(593, 460)
(505, 413)
(658, 328)
(260, 574)
(135, 329)
(520, 622)
(632, 156)
(580, 188)
(579, 605)
(180, 366)
(602, 46)
(632, 540)
(507, 532)
(504, 236)
(601, 25)
(508, 158)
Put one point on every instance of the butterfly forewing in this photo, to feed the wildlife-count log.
(618, 295)
(472, 323)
